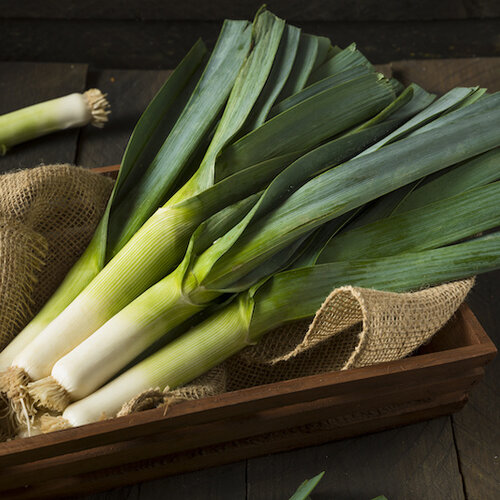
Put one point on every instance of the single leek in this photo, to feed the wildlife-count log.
(74, 110)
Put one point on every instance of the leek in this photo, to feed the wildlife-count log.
(237, 260)
(433, 225)
(74, 110)
(288, 296)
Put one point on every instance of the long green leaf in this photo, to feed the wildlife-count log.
(367, 94)
(192, 126)
(347, 58)
(326, 83)
(244, 96)
(280, 72)
(473, 173)
(305, 58)
(436, 109)
(346, 187)
(298, 293)
(432, 225)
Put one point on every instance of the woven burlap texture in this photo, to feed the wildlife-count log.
(354, 327)
(47, 217)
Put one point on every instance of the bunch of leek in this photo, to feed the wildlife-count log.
(239, 169)
(271, 233)
(219, 180)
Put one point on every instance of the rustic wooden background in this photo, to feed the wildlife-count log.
(154, 34)
(124, 47)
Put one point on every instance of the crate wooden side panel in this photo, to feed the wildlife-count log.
(297, 437)
(359, 407)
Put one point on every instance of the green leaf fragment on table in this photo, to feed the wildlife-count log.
(306, 488)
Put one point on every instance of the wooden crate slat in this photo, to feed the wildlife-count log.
(237, 450)
(346, 408)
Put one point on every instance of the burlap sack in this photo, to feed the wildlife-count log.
(47, 217)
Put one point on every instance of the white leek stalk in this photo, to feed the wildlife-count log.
(73, 110)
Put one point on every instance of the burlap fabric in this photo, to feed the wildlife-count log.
(47, 218)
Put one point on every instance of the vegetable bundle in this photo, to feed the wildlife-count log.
(260, 177)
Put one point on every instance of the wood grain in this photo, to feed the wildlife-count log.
(441, 76)
(236, 450)
(24, 84)
(227, 482)
(477, 427)
(128, 92)
(162, 44)
(403, 464)
(313, 10)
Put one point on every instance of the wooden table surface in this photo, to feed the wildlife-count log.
(455, 457)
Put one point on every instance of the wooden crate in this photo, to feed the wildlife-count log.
(251, 422)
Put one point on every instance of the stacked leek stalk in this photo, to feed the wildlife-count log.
(245, 184)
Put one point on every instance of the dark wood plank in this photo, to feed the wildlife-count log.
(23, 84)
(413, 462)
(162, 44)
(440, 76)
(128, 92)
(477, 426)
(313, 10)
(227, 482)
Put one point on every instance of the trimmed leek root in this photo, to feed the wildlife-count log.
(73, 110)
